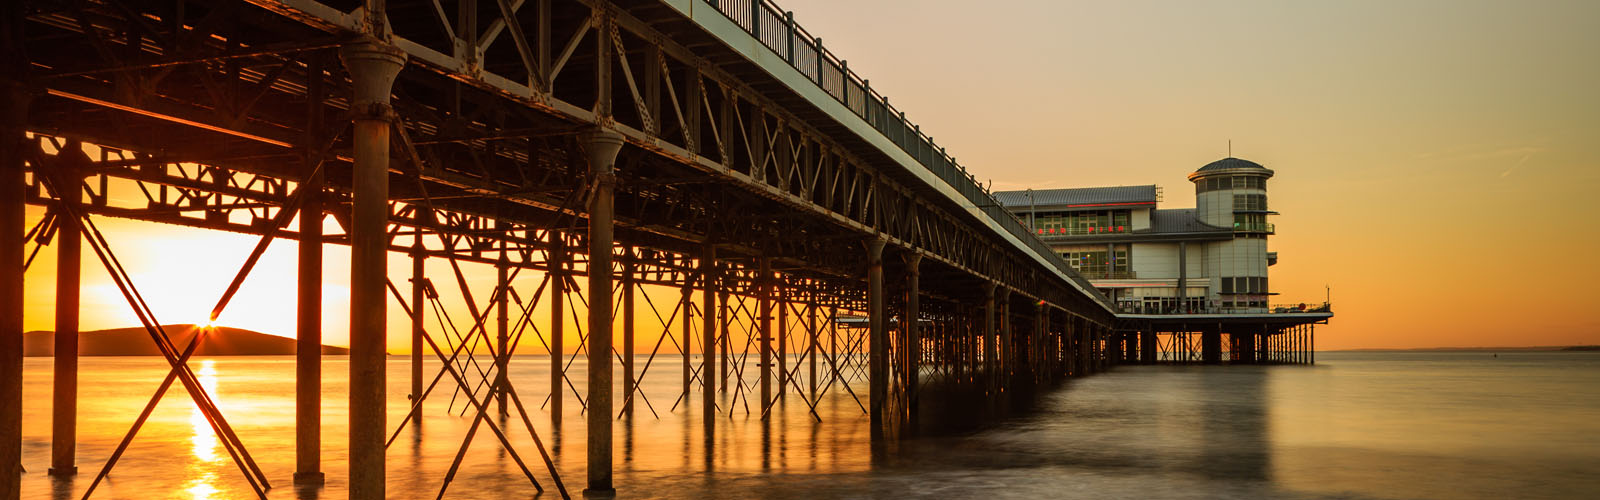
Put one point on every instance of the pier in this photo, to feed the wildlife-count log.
(709, 162)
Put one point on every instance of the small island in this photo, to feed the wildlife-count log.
(135, 341)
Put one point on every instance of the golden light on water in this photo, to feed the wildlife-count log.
(203, 439)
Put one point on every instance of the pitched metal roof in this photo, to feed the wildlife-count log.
(1020, 201)
(1180, 220)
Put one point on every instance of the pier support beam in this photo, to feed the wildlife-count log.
(64, 411)
(419, 279)
(13, 142)
(708, 336)
(764, 326)
(602, 147)
(987, 337)
(1147, 346)
(502, 323)
(628, 381)
(1211, 347)
(913, 330)
(373, 67)
(308, 335)
(557, 255)
(878, 338)
(1130, 347)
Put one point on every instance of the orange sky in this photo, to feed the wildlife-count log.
(1433, 158)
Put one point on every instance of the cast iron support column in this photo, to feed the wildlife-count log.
(1147, 346)
(686, 332)
(13, 141)
(502, 323)
(990, 367)
(558, 295)
(1211, 346)
(913, 332)
(628, 285)
(708, 335)
(1130, 346)
(764, 326)
(308, 338)
(373, 67)
(878, 350)
(418, 317)
(782, 304)
(1008, 349)
(811, 347)
(725, 318)
(64, 411)
(602, 146)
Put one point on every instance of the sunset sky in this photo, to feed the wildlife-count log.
(1434, 158)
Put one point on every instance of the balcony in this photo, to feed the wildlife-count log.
(1254, 227)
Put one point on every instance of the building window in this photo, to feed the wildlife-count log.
(1249, 202)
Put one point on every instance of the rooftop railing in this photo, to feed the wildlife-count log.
(776, 30)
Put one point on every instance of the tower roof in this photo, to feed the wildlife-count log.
(1230, 163)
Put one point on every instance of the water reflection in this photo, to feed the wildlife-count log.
(203, 440)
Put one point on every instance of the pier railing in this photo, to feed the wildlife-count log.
(776, 29)
(1214, 309)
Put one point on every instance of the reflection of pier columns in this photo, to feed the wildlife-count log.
(373, 67)
(602, 147)
(64, 411)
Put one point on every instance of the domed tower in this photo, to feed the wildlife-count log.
(1232, 193)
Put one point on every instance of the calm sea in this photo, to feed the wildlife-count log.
(1356, 425)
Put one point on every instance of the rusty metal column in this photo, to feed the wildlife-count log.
(878, 346)
(686, 336)
(987, 337)
(1211, 346)
(1008, 350)
(373, 67)
(64, 411)
(708, 335)
(602, 146)
(811, 348)
(1130, 347)
(764, 326)
(418, 314)
(1147, 346)
(12, 219)
(913, 326)
(557, 255)
(308, 336)
(502, 323)
(783, 340)
(628, 285)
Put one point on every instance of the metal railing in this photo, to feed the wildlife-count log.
(776, 30)
(1254, 227)
(1109, 275)
(1082, 231)
(1140, 308)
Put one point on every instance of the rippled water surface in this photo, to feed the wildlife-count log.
(1356, 425)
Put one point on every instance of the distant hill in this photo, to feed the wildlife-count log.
(221, 341)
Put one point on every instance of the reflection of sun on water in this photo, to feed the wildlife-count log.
(204, 439)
